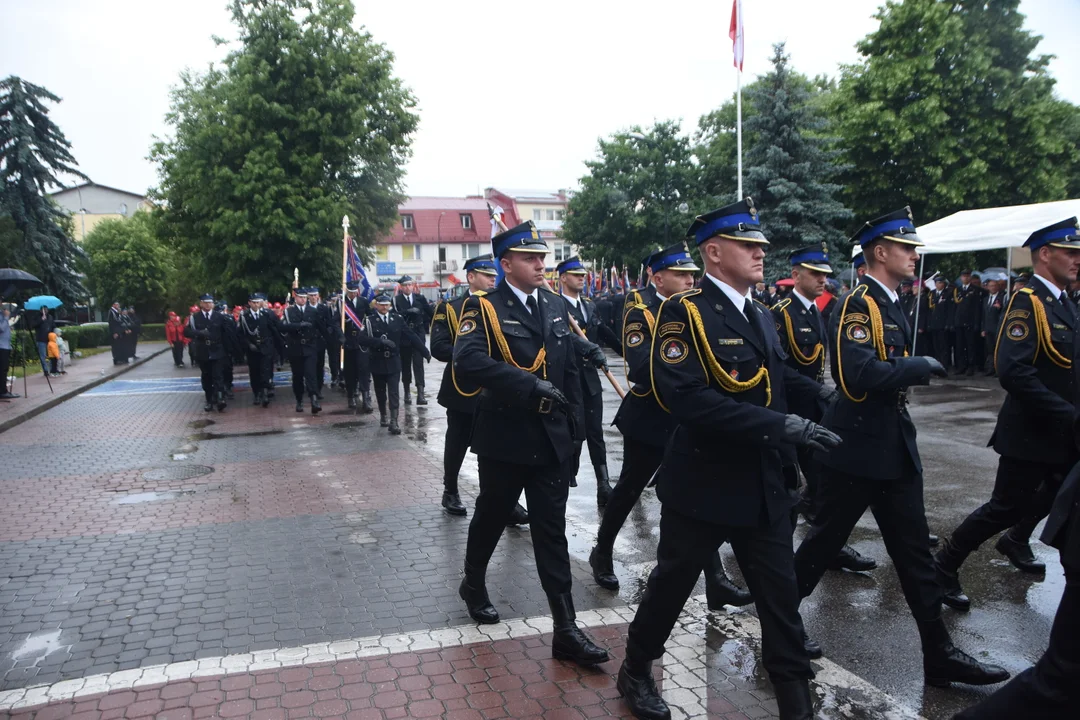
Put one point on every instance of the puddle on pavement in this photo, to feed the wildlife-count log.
(200, 424)
(222, 436)
(149, 497)
(38, 645)
(350, 424)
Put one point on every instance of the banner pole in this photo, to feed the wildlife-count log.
(344, 265)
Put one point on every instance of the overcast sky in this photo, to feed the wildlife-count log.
(509, 94)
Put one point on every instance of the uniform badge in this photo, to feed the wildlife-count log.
(857, 332)
(470, 313)
(634, 339)
(671, 328)
(1017, 331)
(466, 327)
(674, 351)
(440, 316)
(856, 318)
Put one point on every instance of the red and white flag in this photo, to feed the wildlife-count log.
(735, 32)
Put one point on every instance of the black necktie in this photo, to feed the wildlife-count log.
(530, 302)
(816, 317)
(1067, 303)
(752, 318)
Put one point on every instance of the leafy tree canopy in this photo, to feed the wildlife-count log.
(128, 263)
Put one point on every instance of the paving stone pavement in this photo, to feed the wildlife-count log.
(139, 532)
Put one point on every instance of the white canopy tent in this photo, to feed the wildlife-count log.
(990, 229)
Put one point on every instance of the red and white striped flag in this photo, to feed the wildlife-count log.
(735, 32)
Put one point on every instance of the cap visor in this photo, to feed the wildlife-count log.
(531, 248)
(818, 268)
(1067, 243)
(576, 271)
(684, 267)
(484, 271)
(906, 239)
(754, 236)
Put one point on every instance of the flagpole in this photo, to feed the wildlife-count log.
(738, 126)
(344, 265)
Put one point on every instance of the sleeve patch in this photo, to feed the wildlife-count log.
(857, 332)
(630, 327)
(440, 316)
(1017, 330)
(856, 318)
(1018, 314)
(470, 313)
(674, 351)
(634, 339)
(466, 327)
(671, 328)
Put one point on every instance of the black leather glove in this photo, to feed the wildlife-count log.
(545, 389)
(936, 368)
(597, 358)
(804, 433)
(827, 394)
(388, 344)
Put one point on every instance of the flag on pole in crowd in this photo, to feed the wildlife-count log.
(495, 214)
(735, 32)
(626, 279)
(354, 272)
(603, 281)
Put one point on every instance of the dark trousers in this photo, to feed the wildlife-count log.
(687, 546)
(966, 343)
(191, 353)
(1048, 690)
(640, 462)
(333, 354)
(1017, 497)
(178, 353)
(811, 470)
(386, 384)
(211, 375)
(303, 375)
(941, 346)
(459, 427)
(901, 516)
(357, 372)
(320, 365)
(924, 344)
(412, 367)
(989, 345)
(5, 364)
(227, 371)
(259, 370)
(546, 488)
(594, 429)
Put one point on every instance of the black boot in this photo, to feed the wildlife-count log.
(420, 399)
(316, 406)
(794, 700)
(849, 559)
(395, 429)
(813, 649)
(934, 540)
(383, 420)
(299, 406)
(943, 663)
(367, 408)
(719, 590)
(947, 561)
(452, 504)
(518, 516)
(265, 399)
(567, 640)
(256, 398)
(638, 688)
(209, 405)
(1019, 554)
(221, 402)
(407, 395)
(603, 569)
(352, 402)
(603, 485)
(473, 590)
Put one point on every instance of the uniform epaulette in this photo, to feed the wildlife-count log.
(782, 304)
(480, 293)
(685, 294)
(639, 306)
(761, 303)
(1029, 291)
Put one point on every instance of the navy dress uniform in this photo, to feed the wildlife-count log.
(207, 330)
(257, 336)
(393, 335)
(967, 322)
(718, 367)
(942, 310)
(460, 405)
(516, 344)
(588, 318)
(646, 427)
(1036, 359)
(357, 369)
(878, 465)
(416, 311)
(303, 328)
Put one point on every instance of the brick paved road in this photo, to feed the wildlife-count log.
(144, 542)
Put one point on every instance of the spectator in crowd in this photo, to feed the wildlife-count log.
(45, 326)
(52, 351)
(174, 335)
(6, 323)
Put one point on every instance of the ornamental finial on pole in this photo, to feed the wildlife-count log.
(345, 222)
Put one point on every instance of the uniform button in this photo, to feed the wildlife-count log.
(766, 438)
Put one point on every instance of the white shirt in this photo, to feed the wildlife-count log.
(662, 298)
(737, 299)
(889, 291)
(522, 296)
(1047, 283)
(576, 304)
(806, 303)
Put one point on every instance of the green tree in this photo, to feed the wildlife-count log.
(33, 151)
(128, 263)
(790, 165)
(950, 110)
(302, 124)
(631, 202)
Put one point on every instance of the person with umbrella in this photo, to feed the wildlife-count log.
(6, 323)
(45, 326)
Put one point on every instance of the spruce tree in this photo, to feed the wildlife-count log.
(790, 166)
(33, 151)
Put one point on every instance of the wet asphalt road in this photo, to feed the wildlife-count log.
(861, 619)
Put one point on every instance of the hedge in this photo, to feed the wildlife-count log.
(91, 335)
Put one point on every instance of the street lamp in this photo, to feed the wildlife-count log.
(667, 183)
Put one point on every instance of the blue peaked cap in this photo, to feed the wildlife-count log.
(675, 257)
(897, 226)
(571, 265)
(482, 264)
(523, 238)
(812, 257)
(1065, 234)
(738, 221)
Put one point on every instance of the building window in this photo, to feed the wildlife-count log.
(410, 252)
(469, 250)
(562, 252)
(560, 215)
(538, 215)
(550, 214)
(466, 221)
(382, 252)
(407, 222)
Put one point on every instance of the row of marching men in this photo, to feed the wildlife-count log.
(727, 405)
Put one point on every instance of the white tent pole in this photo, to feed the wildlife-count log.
(918, 304)
(1008, 272)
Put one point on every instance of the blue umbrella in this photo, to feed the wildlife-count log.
(39, 301)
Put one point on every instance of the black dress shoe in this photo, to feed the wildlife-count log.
(568, 642)
(794, 700)
(603, 570)
(221, 404)
(1020, 555)
(518, 516)
(849, 559)
(367, 407)
(383, 420)
(208, 407)
(720, 590)
(316, 406)
(952, 594)
(813, 649)
(473, 591)
(451, 502)
(352, 402)
(934, 540)
(945, 665)
(420, 399)
(408, 397)
(265, 399)
(638, 688)
(299, 406)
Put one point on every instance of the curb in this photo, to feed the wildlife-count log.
(57, 399)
